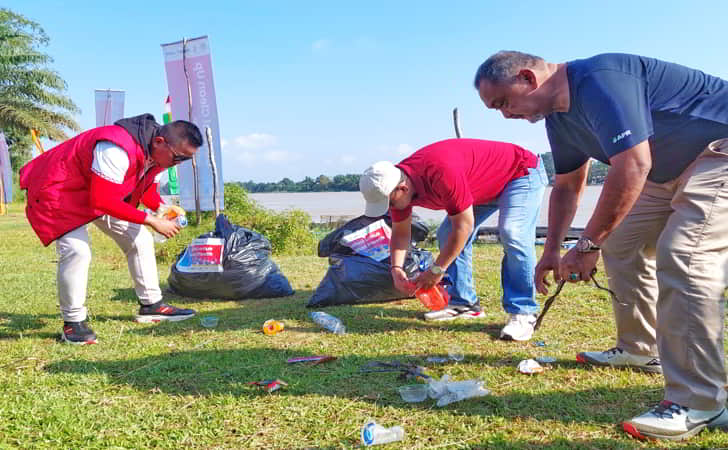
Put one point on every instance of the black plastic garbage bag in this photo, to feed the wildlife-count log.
(248, 271)
(353, 279)
(331, 244)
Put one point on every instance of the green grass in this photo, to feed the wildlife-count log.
(179, 385)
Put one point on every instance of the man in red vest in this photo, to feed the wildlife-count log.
(101, 176)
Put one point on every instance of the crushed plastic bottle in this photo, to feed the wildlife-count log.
(272, 327)
(169, 214)
(374, 434)
(446, 391)
(328, 322)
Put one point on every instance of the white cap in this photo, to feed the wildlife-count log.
(375, 184)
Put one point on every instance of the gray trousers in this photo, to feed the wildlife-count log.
(667, 262)
(74, 259)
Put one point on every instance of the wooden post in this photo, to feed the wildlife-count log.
(189, 117)
(2, 195)
(456, 122)
(213, 166)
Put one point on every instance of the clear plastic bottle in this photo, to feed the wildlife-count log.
(180, 220)
(460, 390)
(328, 322)
(374, 434)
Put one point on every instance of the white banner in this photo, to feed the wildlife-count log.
(109, 106)
(6, 172)
(196, 59)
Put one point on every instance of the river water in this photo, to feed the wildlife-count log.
(322, 206)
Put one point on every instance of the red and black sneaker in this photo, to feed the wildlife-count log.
(78, 333)
(161, 311)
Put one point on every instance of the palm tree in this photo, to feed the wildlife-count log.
(31, 95)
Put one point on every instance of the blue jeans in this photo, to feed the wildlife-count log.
(519, 205)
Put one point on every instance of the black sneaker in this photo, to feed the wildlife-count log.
(452, 312)
(161, 311)
(78, 333)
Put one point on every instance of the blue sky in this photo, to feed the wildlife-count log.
(310, 88)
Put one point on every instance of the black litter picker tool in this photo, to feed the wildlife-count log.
(549, 301)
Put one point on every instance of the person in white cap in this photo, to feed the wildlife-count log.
(470, 179)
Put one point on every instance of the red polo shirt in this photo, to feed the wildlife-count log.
(457, 173)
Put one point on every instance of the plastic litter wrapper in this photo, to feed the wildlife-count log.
(332, 244)
(231, 263)
(354, 278)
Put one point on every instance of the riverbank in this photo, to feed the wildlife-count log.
(322, 206)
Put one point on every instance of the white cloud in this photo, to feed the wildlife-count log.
(321, 45)
(404, 149)
(254, 141)
(280, 156)
(223, 143)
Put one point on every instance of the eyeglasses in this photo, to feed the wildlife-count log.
(176, 157)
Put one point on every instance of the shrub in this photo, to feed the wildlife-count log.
(288, 232)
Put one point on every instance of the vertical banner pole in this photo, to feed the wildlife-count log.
(456, 122)
(189, 118)
(213, 166)
(2, 195)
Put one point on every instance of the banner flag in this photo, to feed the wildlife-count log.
(109, 106)
(172, 184)
(193, 65)
(6, 172)
(36, 140)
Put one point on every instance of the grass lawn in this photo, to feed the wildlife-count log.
(175, 385)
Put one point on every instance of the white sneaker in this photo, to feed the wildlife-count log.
(616, 357)
(519, 327)
(669, 420)
(456, 312)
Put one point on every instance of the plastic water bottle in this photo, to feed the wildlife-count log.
(460, 390)
(374, 434)
(328, 322)
(180, 220)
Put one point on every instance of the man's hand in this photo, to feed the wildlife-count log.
(402, 283)
(178, 211)
(428, 279)
(166, 228)
(549, 262)
(582, 265)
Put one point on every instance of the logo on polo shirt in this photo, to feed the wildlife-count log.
(621, 136)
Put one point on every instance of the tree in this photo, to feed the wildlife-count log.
(31, 94)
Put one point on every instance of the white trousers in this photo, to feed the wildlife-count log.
(74, 259)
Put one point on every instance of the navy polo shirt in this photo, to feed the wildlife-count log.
(620, 100)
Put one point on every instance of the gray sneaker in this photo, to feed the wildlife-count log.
(669, 420)
(616, 357)
(452, 312)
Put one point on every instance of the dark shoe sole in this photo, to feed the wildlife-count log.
(155, 318)
(582, 358)
(65, 340)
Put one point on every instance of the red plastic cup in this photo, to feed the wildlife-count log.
(434, 298)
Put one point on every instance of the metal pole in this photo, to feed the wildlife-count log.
(189, 117)
(2, 195)
(213, 166)
(456, 122)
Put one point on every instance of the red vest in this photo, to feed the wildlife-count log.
(59, 182)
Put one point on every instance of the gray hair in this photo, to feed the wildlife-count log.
(504, 66)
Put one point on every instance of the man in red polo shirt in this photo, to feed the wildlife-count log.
(470, 179)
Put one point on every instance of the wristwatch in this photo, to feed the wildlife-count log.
(585, 245)
(437, 270)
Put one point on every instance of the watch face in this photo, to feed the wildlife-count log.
(582, 245)
(437, 270)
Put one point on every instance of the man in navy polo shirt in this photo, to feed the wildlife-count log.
(470, 179)
(661, 220)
